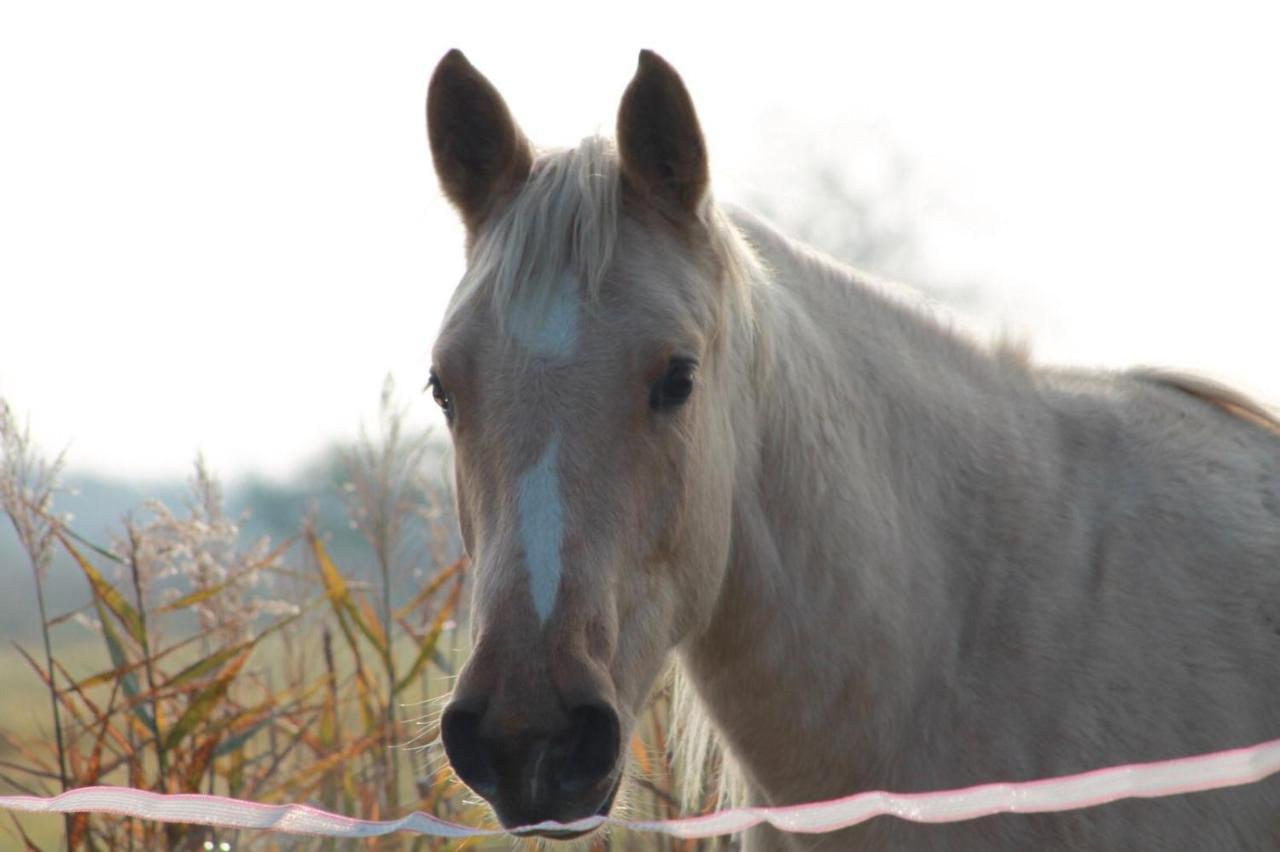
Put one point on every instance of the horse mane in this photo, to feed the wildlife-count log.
(567, 218)
(705, 772)
(1227, 399)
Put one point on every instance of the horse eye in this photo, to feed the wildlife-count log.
(440, 395)
(674, 388)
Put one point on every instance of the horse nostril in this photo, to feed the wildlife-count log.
(530, 774)
(460, 733)
(587, 751)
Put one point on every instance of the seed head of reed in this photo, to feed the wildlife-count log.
(200, 550)
(28, 483)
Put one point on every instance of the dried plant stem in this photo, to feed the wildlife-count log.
(161, 757)
(27, 485)
(53, 696)
(388, 661)
(332, 781)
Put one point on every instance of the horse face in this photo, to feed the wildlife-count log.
(591, 428)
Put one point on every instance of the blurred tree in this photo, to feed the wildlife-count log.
(851, 192)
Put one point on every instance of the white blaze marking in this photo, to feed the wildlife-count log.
(548, 327)
(542, 527)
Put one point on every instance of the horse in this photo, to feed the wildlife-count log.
(878, 554)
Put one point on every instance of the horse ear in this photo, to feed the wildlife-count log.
(664, 157)
(480, 154)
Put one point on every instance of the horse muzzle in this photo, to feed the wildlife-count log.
(562, 772)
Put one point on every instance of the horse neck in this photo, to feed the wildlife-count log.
(859, 440)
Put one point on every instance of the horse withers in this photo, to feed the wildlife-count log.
(880, 555)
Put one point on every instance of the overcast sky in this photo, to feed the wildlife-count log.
(219, 228)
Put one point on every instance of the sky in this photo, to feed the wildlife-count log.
(220, 230)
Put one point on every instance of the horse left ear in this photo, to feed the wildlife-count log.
(480, 154)
(663, 154)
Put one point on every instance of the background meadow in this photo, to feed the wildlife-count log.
(186, 651)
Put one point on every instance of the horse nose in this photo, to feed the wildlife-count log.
(563, 771)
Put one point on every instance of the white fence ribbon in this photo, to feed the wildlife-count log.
(1143, 780)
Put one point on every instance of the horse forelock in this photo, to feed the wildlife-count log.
(563, 222)
(564, 227)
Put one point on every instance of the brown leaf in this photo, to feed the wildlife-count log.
(63, 698)
(442, 577)
(428, 644)
(312, 772)
(100, 718)
(340, 597)
(199, 762)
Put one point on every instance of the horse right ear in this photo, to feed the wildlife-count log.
(664, 157)
(480, 154)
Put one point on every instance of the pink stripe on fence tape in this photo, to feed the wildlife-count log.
(1143, 780)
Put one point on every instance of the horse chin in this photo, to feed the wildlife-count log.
(553, 833)
(575, 833)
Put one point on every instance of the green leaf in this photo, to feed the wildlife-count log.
(215, 661)
(232, 743)
(108, 594)
(204, 703)
(209, 665)
(278, 705)
(128, 679)
(101, 551)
